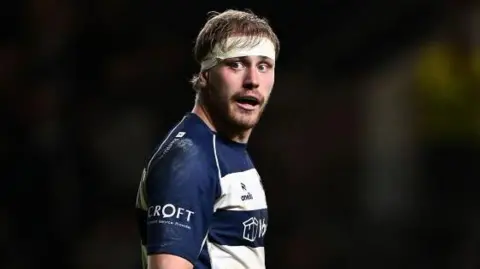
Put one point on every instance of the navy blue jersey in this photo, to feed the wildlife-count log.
(201, 198)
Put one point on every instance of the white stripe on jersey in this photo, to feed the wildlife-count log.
(241, 191)
(243, 257)
(214, 143)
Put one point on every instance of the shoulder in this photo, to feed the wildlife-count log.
(183, 166)
(189, 140)
(182, 152)
(187, 152)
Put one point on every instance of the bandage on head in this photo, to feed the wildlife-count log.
(236, 48)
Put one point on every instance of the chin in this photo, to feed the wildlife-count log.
(245, 125)
(244, 121)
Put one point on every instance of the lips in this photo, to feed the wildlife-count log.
(247, 102)
(248, 99)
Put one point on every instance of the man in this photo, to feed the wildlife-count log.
(201, 203)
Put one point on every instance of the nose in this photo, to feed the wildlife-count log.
(251, 79)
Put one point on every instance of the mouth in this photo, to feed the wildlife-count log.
(248, 102)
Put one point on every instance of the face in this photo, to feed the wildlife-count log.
(238, 90)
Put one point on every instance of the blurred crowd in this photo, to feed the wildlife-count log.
(88, 88)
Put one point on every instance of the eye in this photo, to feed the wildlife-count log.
(264, 67)
(236, 65)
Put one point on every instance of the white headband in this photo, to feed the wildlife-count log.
(264, 48)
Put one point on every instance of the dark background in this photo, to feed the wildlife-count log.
(369, 148)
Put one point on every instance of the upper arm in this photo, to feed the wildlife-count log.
(167, 261)
(180, 194)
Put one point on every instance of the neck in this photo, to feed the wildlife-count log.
(217, 126)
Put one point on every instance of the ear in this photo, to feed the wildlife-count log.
(205, 75)
(203, 79)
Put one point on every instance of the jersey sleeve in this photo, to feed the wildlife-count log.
(180, 195)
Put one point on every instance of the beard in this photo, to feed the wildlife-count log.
(224, 110)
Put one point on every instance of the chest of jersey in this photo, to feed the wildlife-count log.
(240, 214)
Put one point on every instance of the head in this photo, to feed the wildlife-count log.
(236, 51)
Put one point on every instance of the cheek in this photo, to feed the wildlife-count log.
(268, 83)
(232, 82)
(226, 82)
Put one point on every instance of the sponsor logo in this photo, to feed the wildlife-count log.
(254, 228)
(247, 196)
(243, 186)
(170, 214)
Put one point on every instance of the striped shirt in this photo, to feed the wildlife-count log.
(201, 198)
